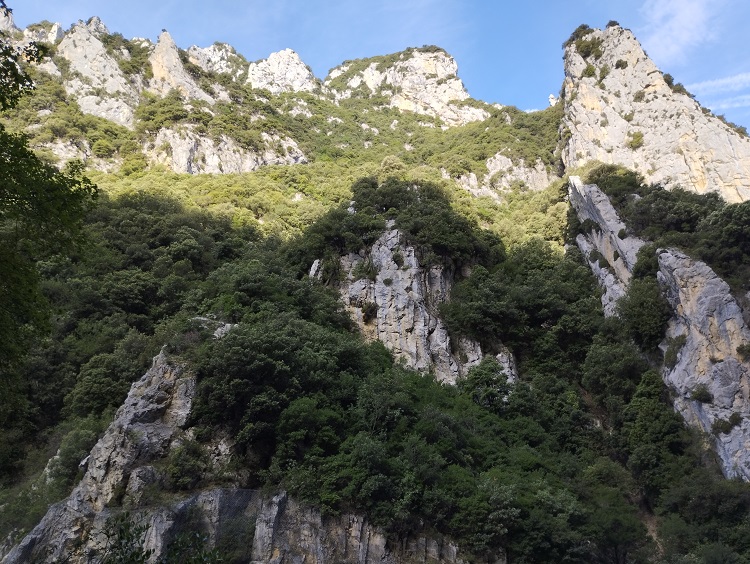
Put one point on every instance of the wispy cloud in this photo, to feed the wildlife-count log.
(675, 27)
(732, 83)
(742, 101)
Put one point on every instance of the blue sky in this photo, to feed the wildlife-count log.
(507, 51)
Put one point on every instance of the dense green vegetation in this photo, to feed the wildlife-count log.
(704, 226)
(581, 460)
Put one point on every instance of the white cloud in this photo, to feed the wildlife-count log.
(732, 83)
(742, 101)
(675, 27)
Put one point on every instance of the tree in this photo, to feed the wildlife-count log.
(41, 211)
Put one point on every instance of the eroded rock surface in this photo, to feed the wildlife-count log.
(627, 114)
(709, 321)
(283, 71)
(170, 73)
(420, 81)
(400, 307)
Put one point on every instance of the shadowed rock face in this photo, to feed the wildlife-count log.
(681, 146)
(705, 316)
(253, 526)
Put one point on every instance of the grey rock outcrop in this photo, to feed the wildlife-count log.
(283, 71)
(187, 152)
(400, 307)
(250, 525)
(709, 321)
(156, 407)
(96, 80)
(420, 81)
(627, 114)
(608, 237)
(703, 334)
(503, 175)
(219, 58)
(170, 73)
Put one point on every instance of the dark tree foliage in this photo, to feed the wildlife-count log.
(41, 210)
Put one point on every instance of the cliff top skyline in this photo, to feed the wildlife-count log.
(506, 54)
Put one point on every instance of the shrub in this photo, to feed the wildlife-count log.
(628, 117)
(636, 140)
(186, 465)
(589, 71)
(365, 269)
(744, 351)
(639, 96)
(670, 356)
(621, 64)
(701, 393)
(369, 311)
(724, 426)
(613, 23)
(603, 72)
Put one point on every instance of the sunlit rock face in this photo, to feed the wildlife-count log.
(619, 109)
(423, 82)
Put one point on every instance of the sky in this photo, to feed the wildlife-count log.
(508, 51)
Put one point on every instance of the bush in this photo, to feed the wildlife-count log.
(743, 351)
(621, 64)
(724, 426)
(639, 96)
(673, 348)
(636, 140)
(186, 465)
(702, 394)
(645, 312)
(589, 71)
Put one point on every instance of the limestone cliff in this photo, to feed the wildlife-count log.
(123, 472)
(423, 81)
(503, 174)
(708, 320)
(608, 237)
(703, 335)
(95, 78)
(398, 305)
(170, 74)
(619, 109)
(183, 150)
(282, 72)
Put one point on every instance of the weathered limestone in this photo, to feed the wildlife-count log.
(710, 321)
(423, 82)
(503, 175)
(185, 151)
(96, 80)
(608, 237)
(170, 73)
(681, 146)
(405, 296)
(706, 318)
(283, 71)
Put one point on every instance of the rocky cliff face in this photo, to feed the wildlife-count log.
(708, 320)
(393, 299)
(420, 81)
(704, 331)
(123, 471)
(183, 150)
(282, 72)
(619, 109)
(95, 78)
(607, 236)
(503, 174)
(170, 74)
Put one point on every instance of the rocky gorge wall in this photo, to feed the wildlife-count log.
(124, 470)
(704, 332)
(619, 109)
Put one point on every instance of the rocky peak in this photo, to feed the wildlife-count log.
(44, 34)
(170, 73)
(93, 71)
(620, 109)
(423, 81)
(96, 26)
(283, 71)
(219, 58)
(6, 21)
